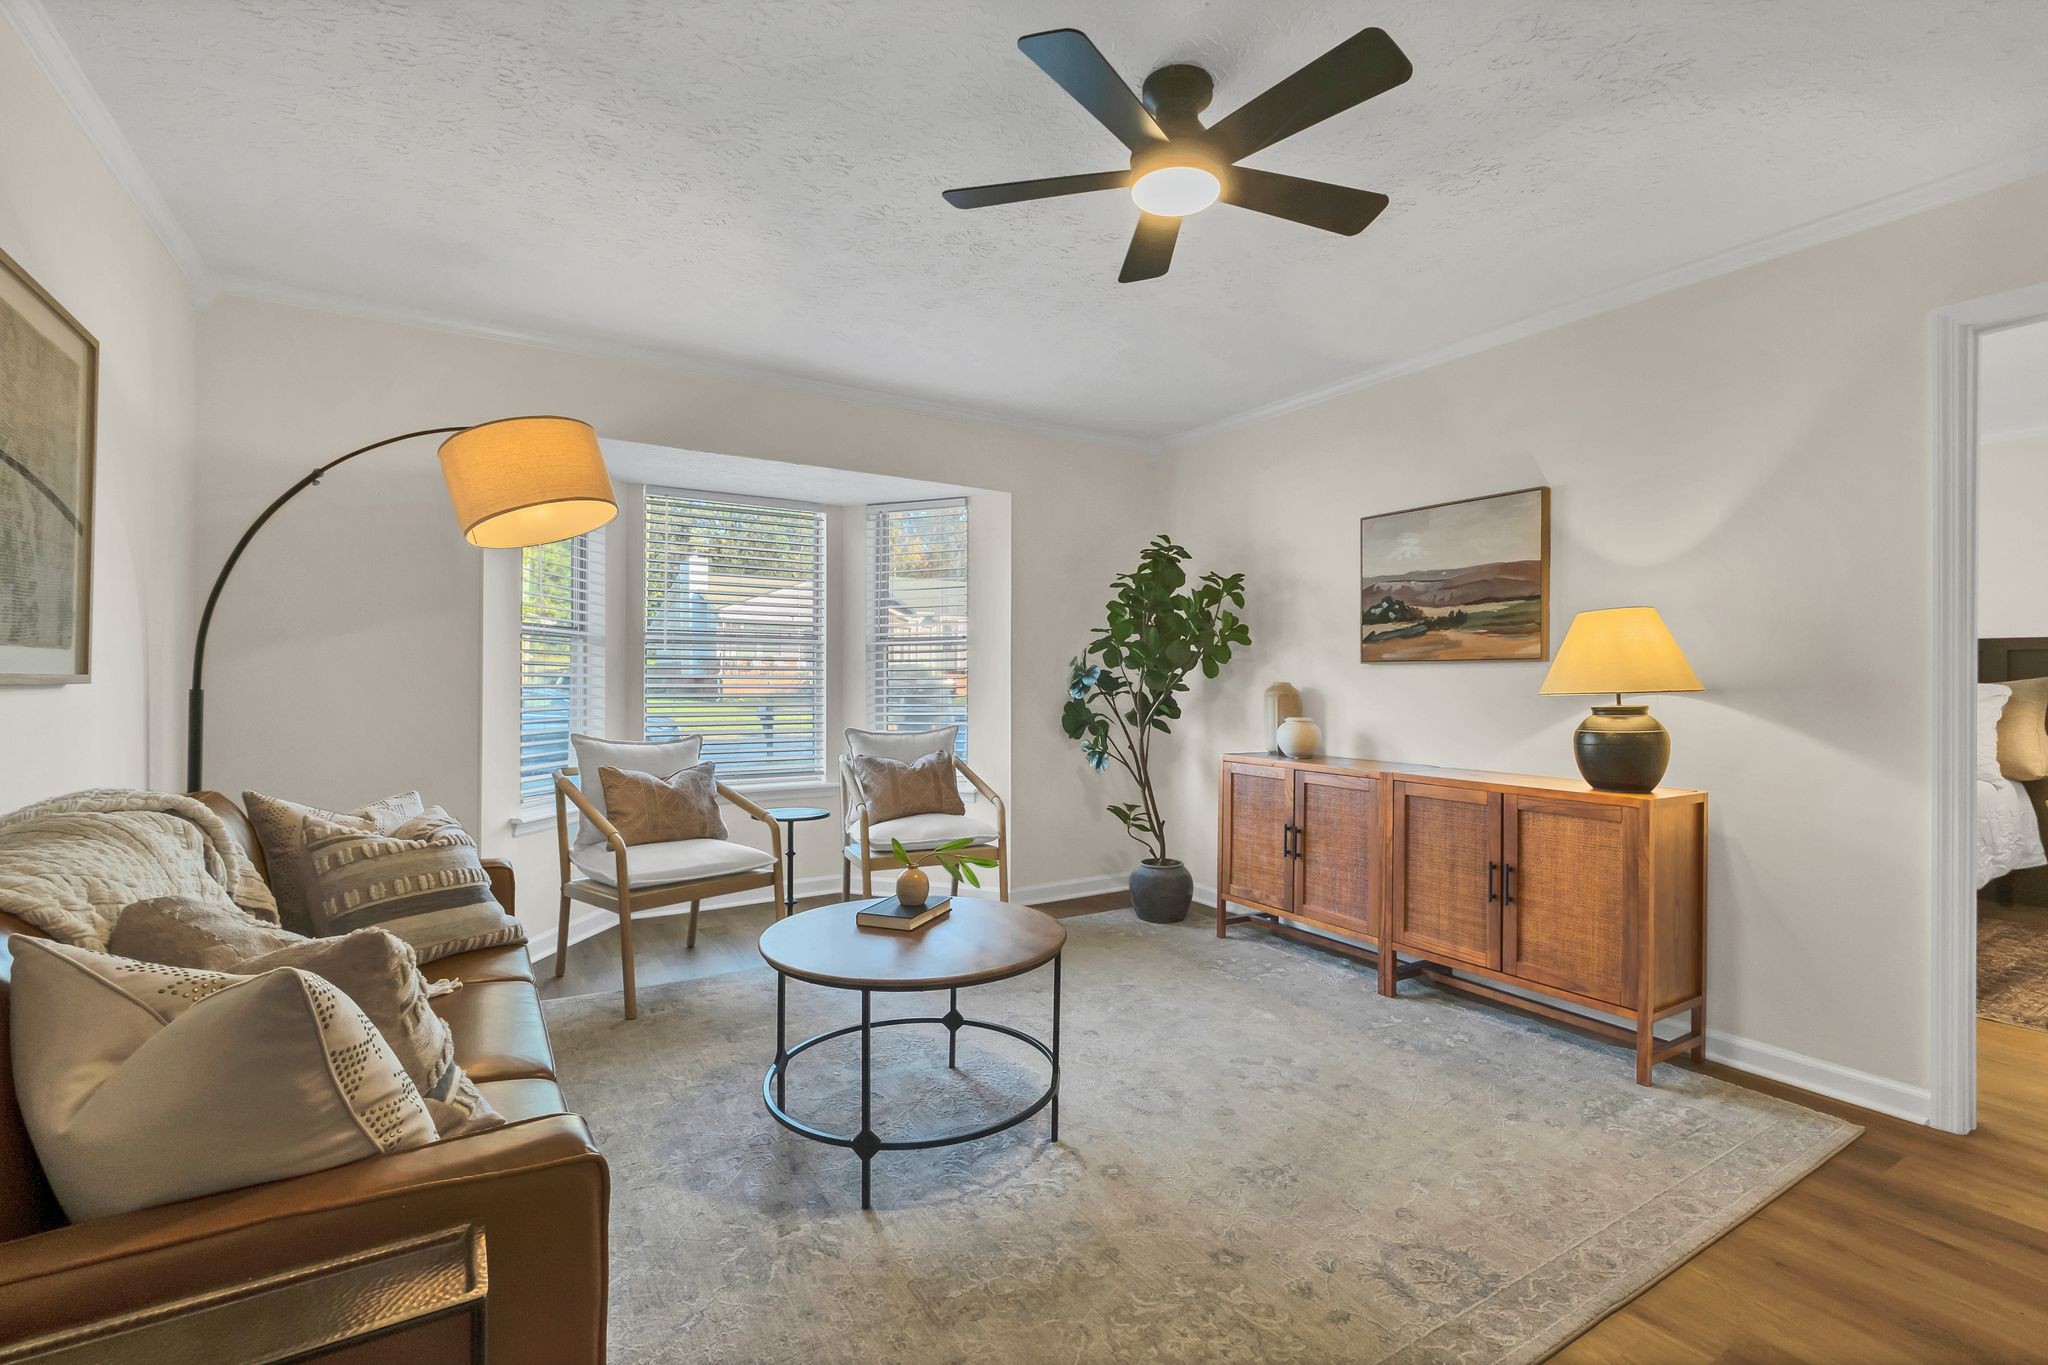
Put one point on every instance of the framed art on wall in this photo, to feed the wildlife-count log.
(49, 394)
(1457, 580)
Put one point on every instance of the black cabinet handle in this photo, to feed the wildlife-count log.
(1287, 840)
(1507, 884)
(1492, 882)
(1298, 832)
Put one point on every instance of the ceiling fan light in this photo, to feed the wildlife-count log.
(1176, 191)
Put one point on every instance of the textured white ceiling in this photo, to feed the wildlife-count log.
(758, 180)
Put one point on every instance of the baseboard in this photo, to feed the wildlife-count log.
(586, 921)
(1860, 1088)
(1910, 1102)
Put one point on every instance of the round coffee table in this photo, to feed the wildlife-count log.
(976, 943)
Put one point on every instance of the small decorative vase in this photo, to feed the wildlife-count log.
(1283, 702)
(1162, 890)
(912, 886)
(1299, 737)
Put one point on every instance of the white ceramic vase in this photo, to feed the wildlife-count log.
(1299, 737)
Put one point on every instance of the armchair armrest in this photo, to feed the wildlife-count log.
(856, 805)
(774, 832)
(539, 1189)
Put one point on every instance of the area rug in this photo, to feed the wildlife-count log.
(2012, 964)
(1260, 1160)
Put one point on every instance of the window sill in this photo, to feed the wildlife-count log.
(531, 822)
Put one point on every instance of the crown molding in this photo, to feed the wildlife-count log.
(1876, 213)
(53, 56)
(692, 362)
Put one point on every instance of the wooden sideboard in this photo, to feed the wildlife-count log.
(1595, 900)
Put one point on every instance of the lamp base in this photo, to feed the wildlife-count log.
(1622, 749)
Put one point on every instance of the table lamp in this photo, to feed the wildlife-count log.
(1620, 748)
(514, 482)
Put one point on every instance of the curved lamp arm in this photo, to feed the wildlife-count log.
(196, 699)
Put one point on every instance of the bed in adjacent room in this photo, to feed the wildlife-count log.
(2012, 767)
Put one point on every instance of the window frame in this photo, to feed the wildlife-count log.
(729, 772)
(588, 637)
(874, 642)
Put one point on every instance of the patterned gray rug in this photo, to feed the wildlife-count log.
(1261, 1159)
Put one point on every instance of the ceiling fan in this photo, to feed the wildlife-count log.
(1179, 167)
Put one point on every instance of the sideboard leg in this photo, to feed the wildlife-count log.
(1222, 914)
(1646, 1046)
(1699, 1024)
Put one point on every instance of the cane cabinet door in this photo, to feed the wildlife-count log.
(1336, 850)
(1258, 814)
(1570, 881)
(1446, 873)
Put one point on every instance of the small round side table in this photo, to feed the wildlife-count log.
(791, 816)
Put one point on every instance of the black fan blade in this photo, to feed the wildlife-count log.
(1151, 248)
(1016, 191)
(1333, 208)
(1363, 65)
(1066, 55)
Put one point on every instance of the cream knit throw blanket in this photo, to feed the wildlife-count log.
(71, 864)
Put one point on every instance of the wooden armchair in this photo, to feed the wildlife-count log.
(624, 878)
(866, 844)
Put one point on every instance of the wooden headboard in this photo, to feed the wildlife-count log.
(2002, 659)
(2012, 656)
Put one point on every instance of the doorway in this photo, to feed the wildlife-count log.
(1999, 331)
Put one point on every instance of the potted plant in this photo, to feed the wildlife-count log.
(1125, 690)
(913, 886)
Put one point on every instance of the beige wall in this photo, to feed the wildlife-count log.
(71, 226)
(349, 655)
(1751, 456)
(2012, 536)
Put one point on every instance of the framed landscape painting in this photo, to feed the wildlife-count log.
(1457, 580)
(49, 383)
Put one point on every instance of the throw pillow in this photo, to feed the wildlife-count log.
(638, 756)
(893, 790)
(142, 1084)
(374, 969)
(349, 871)
(2023, 731)
(281, 829)
(646, 809)
(905, 746)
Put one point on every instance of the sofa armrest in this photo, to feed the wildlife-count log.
(502, 887)
(538, 1188)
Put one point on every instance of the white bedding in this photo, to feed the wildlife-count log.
(2008, 835)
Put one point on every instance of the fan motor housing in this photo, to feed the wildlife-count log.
(1175, 94)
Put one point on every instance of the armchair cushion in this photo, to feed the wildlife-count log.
(905, 746)
(680, 860)
(627, 755)
(925, 831)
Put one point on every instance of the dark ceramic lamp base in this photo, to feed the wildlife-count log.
(1622, 749)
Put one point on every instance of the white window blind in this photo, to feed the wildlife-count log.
(736, 631)
(917, 631)
(561, 658)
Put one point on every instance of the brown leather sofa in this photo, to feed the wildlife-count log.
(537, 1187)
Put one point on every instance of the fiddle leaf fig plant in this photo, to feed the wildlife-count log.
(1159, 629)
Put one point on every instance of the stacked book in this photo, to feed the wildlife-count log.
(890, 913)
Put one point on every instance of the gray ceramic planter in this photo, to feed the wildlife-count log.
(1161, 891)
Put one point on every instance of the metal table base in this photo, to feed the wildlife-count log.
(867, 1142)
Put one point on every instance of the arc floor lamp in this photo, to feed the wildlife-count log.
(515, 482)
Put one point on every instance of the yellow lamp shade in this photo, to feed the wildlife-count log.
(526, 481)
(1621, 649)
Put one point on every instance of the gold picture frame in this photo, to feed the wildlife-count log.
(1462, 581)
(49, 411)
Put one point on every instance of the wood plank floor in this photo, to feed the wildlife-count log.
(1911, 1246)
